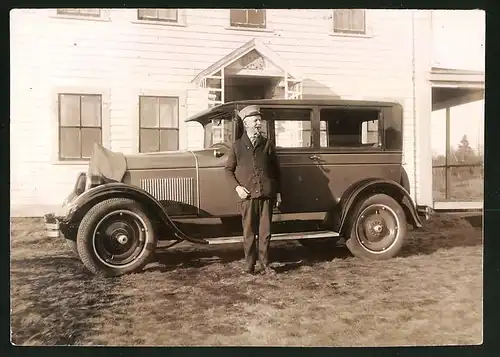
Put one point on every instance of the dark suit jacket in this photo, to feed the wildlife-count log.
(255, 168)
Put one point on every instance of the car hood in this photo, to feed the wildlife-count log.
(113, 165)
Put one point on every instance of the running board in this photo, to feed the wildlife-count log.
(277, 237)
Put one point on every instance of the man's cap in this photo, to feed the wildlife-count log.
(249, 111)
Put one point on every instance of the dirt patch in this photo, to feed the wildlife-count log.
(430, 294)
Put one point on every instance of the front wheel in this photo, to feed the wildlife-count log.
(377, 229)
(115, 237)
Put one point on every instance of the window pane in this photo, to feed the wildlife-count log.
(149, 116)
(69, 109)
(69, 139)
(466, 183)
(89, 137)
(256, 17)
(81, 12)
(147, 13)
(290, 134)
(350, 128)
(90, 12)
(169, 140)
(167, 14)
(369, 132)
(91, 110)
(341, 18)
(238, 16)
(169, 112)
(467, 134)
(357, 20)
(438, 137)
(149, 140)
(439, 183)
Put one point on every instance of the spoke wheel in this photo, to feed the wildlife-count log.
(119, 238)
(116, 237)
(377, 228)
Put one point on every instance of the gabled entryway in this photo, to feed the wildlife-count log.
(252, 71)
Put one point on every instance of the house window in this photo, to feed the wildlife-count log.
(158, 124)
(80, 12)
(167, 15)
(349, 128)
(80, 125)
(292, 128)
(349, 21)
(254, 18)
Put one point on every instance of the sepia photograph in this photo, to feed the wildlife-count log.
(246, 177)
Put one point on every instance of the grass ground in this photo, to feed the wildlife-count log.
(431, 294)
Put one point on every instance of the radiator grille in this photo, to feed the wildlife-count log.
(178, 189)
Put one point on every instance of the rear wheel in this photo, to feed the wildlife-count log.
(116, 237)
(377, 228)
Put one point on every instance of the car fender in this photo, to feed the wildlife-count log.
(371, 186)
(82, 204)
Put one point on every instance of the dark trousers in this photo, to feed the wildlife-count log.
(256, 217)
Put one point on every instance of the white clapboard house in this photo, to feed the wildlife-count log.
(128, 78)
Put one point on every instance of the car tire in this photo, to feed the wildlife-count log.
(377, 228)
(116, 237)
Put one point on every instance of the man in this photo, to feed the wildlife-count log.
(253, 171)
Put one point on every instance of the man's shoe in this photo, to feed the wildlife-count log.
(268, 271)
(249, 270)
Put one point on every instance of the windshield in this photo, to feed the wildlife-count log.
(221, 133)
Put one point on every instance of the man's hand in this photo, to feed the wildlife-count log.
(278, 199)
(242, 192)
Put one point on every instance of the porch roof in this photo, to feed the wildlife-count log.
(254, 44)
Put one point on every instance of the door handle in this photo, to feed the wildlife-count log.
(315, 157)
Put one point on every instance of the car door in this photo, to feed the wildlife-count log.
(351, 149)
(302, 180)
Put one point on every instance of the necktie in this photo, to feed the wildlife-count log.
(255, 138)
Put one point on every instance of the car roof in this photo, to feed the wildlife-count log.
(220, 110)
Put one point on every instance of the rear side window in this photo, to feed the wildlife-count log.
(350, 128)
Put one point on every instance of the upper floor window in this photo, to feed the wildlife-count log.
(80, 12)
(80, 125)
(158, 124)
(253, 18)
(349, 21)
(167, 15)
(349, 128)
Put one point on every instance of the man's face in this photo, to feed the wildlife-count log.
(253, 123)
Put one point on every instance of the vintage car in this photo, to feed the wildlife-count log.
(341, 163)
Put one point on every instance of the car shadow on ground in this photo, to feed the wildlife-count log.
(440, 233)
(284, 256)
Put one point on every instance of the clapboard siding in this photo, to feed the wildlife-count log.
(126, 57)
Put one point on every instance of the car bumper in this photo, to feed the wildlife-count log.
(424, 212)
(56, 222)
(53, 225)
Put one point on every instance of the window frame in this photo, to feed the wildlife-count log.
(158, 19)
(54, 109)
(346, 149)
(247, 25)
(104, 15)
(272, 133)
(349, 31)
(159, 129)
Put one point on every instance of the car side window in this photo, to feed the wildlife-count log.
(292, 127)
(351, 128)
